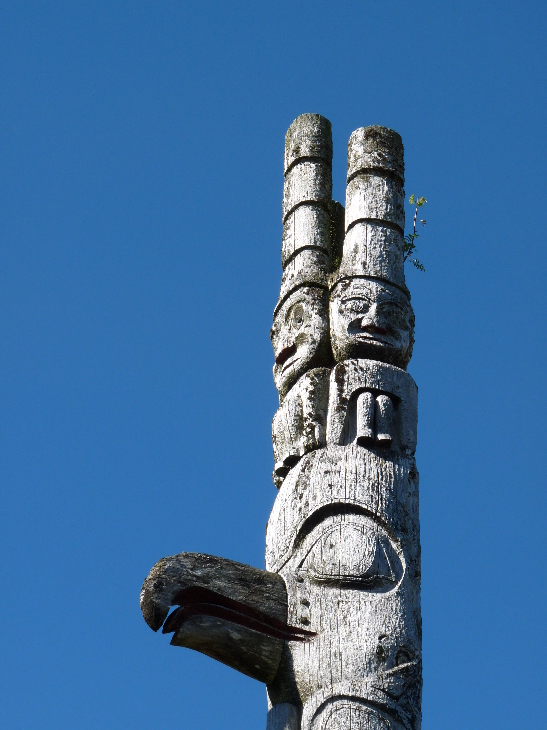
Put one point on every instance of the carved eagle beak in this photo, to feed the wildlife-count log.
(232, 612)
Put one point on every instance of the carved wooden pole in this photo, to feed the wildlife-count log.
(333, 626)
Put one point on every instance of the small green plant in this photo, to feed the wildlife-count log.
(410, 238)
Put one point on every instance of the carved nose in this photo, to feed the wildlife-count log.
(287, 352)
(372, 329)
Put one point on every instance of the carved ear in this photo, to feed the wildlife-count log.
(232, 612)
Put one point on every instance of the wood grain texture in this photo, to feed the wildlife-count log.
(352, 377)
(308, 181)
(373, 249)
(308, 226)
(250, 586)
(300, 424)
(375, 148)
(300, 336)
(309, 136)
(344, 529)
(374, 196)
(333, 626)
(249, 652)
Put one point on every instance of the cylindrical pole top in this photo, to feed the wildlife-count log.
(310, 135)
(376, 148)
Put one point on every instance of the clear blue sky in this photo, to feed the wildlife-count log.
(140, 220)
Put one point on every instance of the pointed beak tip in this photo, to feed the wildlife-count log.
(153, 614)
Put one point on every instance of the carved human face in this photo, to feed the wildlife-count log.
(300, 336)
(371, 320)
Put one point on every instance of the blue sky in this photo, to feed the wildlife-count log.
(140, 221)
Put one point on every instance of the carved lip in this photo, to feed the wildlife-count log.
(197, 601)
(370, 333)
(372, 338)
(285, 354)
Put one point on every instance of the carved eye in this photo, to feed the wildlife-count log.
(394, 314)
(360, 305)
(298, 315)
(352, 553)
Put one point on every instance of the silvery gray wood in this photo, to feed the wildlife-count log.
(373, 196)
(232, 612)
(384, 420)
(352, 377)
(241, 582)
(344, 534)
(308, 226)
(376, 148)
(308, 181)
(309, 136)
(364, 425)
(372, 319)
(310, 267)
(300, 336)
(333, 626)
(300, 424)
(239, 647)
(374, 250)
(283, 716)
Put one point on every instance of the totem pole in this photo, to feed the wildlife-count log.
(333, 626)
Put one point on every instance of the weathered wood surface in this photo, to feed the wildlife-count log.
(170, 576)
(309, 226)
(300, 424)
(229, 611)
(376, 148)
(349, 379)
(300, 336)
(371, 319)
(333, 626)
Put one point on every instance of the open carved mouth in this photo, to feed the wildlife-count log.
(285, 354)
(197, 601)
(373, 338)
(370, 332)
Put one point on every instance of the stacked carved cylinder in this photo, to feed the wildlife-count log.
(333, 625)
(344, 530)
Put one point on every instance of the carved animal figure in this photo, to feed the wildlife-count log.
(300, 336)
(333, 625)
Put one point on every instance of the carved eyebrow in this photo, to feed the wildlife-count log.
(357, 298)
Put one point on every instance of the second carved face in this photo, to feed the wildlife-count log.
(373, 320)
(300, 336)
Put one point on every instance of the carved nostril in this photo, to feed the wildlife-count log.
(372, 328)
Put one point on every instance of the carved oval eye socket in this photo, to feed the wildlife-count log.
(403, 657)
(352, 554)
(356, 305)
(394, 314)
(298, 315)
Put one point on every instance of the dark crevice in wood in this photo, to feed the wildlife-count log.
(204, 602)
(376, 222)
(317, 203)
(315, 159)
(380, 171)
